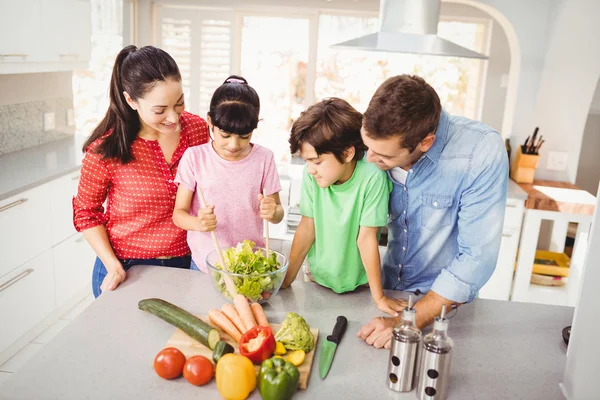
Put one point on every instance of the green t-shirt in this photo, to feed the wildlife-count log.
(338, 212)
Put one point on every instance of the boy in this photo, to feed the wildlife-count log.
(344, 202)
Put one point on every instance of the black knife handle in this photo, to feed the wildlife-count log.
(338, 330)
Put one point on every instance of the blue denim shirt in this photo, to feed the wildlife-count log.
(445, 223)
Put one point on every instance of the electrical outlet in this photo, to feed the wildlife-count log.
(49, 121)
(70, 117)
(557, 160)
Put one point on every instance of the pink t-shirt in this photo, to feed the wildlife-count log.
(233, 188)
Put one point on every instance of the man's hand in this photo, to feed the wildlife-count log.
(378, 332)
(390, 306)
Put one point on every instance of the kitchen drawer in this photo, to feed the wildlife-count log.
(73, 265)
(26, 298)
(61, 206)
(513, 216)
(24, 227)
(498, 287)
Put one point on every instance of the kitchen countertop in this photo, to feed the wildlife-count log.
(503, 350)
(515, 191)
(24, 169)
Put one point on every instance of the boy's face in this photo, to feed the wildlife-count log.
(325, 168)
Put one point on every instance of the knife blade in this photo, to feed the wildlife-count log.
(329, 346)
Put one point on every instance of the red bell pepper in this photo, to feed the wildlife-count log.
(258, 344)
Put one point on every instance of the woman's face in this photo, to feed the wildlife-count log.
(160, 108)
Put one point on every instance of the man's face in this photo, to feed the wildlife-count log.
(389, 153)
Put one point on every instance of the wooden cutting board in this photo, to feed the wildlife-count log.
(191, 347)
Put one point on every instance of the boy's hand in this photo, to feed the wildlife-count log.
(208, 219)
(268, 207)
(391, 306)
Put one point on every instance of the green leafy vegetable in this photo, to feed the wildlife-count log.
(243, 260)
(295, 333)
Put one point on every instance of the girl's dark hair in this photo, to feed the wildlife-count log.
(330, 126)
(136, 71)
(234, 107)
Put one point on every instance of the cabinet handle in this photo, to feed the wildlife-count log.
(69, 55)
(507, 234)
(16, 279)
(14, 55)
(511, 206)
(80, 239)
(13, 204)
(76, 177)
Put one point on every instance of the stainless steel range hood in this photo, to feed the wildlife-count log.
(409, 26)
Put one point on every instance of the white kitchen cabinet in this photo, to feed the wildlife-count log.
(61, 206)
(24, 227)
(44, 35)
(73, 265)
(66, 25)
(499, 286)
(26, 298)
(20, 30)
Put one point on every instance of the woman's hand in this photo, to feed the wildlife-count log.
(115, 275)
(208, 219)
(268, 207)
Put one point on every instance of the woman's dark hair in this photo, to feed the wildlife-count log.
(136, 71)
(404, 106)
(330, 126)
(234, 107)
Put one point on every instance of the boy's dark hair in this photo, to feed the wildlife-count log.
(404, 106)
(136, 71)
(234, 107)
(330, 126)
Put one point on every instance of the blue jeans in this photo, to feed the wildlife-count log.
(100, 270)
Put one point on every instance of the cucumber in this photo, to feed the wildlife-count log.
(178, 317)
(222, 348)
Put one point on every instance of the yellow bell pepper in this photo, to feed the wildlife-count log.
(296, 357)
(280, 349)
(235, 376)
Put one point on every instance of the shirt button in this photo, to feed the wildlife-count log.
(405, 231)
(399, 265)
(170, 181)
(404, 249)
(410, 170)
(435, 203)
(405, 188)
(404, 212)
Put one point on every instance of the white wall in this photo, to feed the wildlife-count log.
(588, 171)
(498, 63)
(568, 84)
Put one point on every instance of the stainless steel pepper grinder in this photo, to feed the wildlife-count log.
(436, 357)
(406, 342)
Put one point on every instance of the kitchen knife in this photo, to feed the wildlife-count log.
(330, 345)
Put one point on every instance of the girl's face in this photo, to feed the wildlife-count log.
(230, 146)
(325, 168)
(161, 107)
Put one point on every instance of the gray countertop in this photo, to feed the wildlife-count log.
(503, 350)
(25, 169)
(515, 191)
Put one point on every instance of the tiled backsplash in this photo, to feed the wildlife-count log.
(21, 125)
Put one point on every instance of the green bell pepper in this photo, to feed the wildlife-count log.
(277, 379)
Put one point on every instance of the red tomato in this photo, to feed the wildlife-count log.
(198, 370)
(169, 363)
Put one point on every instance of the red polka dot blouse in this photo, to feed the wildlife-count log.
(141, 195)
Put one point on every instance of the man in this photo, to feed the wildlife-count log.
(447, 206)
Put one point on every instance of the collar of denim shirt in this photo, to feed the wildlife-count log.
(441, 135)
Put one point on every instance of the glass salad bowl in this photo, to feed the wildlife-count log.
(249, 272)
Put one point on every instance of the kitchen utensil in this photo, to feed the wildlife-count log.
(330, 345)
(406, 343)
(436, 357)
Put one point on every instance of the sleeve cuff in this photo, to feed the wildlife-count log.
(450, 287)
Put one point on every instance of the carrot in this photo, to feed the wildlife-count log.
(231, 313)
(221, 320)
(259, 314)
(241, 304)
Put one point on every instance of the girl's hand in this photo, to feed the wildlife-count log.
(208, 219)
(391, 306)
(268, 207)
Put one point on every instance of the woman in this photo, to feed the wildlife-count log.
(130, 162)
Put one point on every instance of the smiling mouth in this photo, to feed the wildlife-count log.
(168, 125)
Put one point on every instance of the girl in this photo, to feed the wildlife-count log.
(131, 159)
(232, 173)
